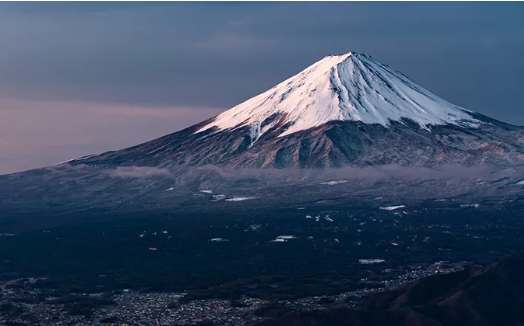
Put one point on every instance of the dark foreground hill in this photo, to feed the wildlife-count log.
(492, 295)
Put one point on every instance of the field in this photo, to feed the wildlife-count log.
(270, 254)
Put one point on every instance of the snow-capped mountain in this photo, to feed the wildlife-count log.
(348, 87)
(343, 110)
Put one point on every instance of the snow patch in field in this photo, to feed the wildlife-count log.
(283, 238)
(218, 240)
(240, 198)
(391, 208)
(370, 261)
(206, 191)
(218, 197)
(333, 182)
(470, 205)
(254, 227)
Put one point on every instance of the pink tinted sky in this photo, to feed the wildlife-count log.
(39, 133)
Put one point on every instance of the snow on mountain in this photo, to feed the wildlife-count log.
(357, 112)
(348, 87)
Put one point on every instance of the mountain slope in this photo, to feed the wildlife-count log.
(345, 110)
(489, 296)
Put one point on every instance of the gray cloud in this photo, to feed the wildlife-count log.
(139, 172)
(365, 173)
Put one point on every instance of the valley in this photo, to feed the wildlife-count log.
(326, 251)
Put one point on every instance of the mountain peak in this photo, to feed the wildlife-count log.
(345, 87)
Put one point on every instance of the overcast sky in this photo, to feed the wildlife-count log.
(78, 78)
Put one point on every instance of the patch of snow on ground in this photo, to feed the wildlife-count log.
(170, 189)
(206, 191)
(333, 182)
(470, 205)
(327, 218)
(520, 182)
(240, 198)
(218, 240)
(284, 238)
(391, 208)
(254, 227)
(287, 237)
(218, 197)
(370, 261)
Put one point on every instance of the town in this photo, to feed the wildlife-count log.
(24, 304)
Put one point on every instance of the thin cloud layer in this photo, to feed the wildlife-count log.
(139, 172)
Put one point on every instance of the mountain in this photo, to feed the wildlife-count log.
(344, 110)
(492, 295)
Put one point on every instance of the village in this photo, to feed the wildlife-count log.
(31, 306)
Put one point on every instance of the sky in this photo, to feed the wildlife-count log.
(85, 77)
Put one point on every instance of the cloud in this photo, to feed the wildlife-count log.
(139, 172)
(394, 171)
(364, 173)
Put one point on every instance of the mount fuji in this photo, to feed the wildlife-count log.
(344, 110)
(335, 129)
(347, 176)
